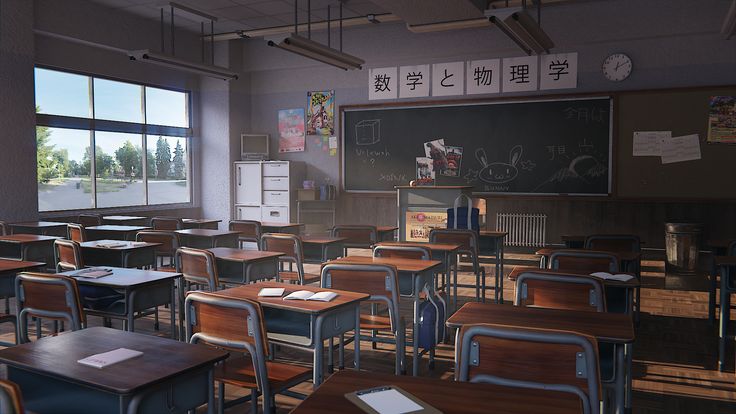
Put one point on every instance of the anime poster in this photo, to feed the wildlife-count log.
(435, 150)
(321, 113)
(454, 160)
(291, 130)
(425, 171)
(420, 223)
(722, 119)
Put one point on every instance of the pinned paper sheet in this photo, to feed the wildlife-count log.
(678, 149)
(333, 142)
(649, 143)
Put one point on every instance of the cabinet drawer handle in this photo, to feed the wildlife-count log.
(240, 175)
(275, 194)
(274, 214)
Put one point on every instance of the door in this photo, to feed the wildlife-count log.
(248, 183)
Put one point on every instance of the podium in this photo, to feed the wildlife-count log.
(422, 208)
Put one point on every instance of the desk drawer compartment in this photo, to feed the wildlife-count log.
(337, 323)
(275, 214)
(276, 197)
(276, 169)
(276, 183)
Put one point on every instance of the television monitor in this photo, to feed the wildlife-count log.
(254, 146)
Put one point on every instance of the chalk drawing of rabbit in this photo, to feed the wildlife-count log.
(499, 172)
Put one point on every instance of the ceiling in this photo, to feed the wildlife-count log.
(235, 15)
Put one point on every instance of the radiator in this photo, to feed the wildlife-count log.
(527, 230)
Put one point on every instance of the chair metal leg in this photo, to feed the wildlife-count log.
(330, 356)
(221, 398)
(254, 401)
(38, 328)
(341, 352)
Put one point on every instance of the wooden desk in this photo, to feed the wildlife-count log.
(630, 284)
(319, 249)
(450, 397)
(622, 256)
(113, 232)
(210, 224)
(126, 220)
(724, 265)
(274, 227)
(314, 321)
(143, 290)
(491, 243)
(53, 228)
(170, 372)
(245, 266)
(421, 276)
(614, 328)
(28, 247)
(133, 254)
(385, 233)
(206, 238)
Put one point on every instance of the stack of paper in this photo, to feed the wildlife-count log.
(106, 359)
(271, 292)
(112, 244)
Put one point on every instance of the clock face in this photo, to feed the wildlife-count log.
(617, 67)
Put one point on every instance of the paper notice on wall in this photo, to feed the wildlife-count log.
(333, 142)
(679, 149)
(649, 143)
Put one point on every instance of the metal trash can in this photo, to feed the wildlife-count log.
(682, 242)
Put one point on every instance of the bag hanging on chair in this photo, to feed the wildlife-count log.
(463, 217)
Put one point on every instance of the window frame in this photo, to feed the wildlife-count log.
(144, 129)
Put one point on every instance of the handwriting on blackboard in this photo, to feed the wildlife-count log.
(393, 177)
(586, 115)
(370, 156)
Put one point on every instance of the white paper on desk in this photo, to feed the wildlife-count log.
(111, 245)
(390, 402)
(271, 292)
(649, 143)
(106, 359)
(679, 149)
(93, 272)
(621, 277)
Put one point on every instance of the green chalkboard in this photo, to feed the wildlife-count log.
(516, 147)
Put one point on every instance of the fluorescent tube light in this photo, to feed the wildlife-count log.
(157, 58)
(451, 25)
(319, 52)
(521, 28)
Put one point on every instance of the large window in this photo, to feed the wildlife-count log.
(91, 134)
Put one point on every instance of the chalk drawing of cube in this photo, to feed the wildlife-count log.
(368, 132)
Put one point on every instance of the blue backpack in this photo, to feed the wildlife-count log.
(463, 217)
(431, 324)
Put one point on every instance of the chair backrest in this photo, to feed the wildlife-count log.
(288, 244)
(169, 241)
(613, 242)
(531, 358)
(167, 223)
(67, 255)
(359, 236)
(89, 219)
(250, 230)
(588, 261)
(46, 296)
(403, 252)
(198, 267)
(76, 232)
(11, 399)
(4, 228)
(234, 324)
(378, 280)
(560, 291)
(466, 238)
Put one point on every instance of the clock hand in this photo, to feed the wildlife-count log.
(618, 65)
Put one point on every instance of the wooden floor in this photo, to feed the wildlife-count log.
(674, 355)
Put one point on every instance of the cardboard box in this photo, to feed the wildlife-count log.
(307, 194)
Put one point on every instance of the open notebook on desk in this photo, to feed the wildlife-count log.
(621, 277)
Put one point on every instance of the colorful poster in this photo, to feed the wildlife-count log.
(321, 113)
(425, 171)
(291, 130)
(436, 151)
(454, 161)
(722, 119)
(420, 223)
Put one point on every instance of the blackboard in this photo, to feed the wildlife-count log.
(515, 147)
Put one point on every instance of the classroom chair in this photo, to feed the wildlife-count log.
(588, 261)
(358, 236)
(560, 291)
(468, 241)
(76, 232)
(403, 252)
(291, 246)
(45, 296)
(381, 283)
(4, 228)
(167, 223)
(238, 326)
(169, 243)
(89, 219)
(523, 357)
(620, 243)
(198, 267)
(250, 231)
(67, 255)
(11, 399)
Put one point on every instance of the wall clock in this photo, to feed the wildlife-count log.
(617, 67)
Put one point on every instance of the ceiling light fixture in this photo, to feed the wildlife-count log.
(308, 48)
(450, 25)
(520, 27)
(146, 55)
